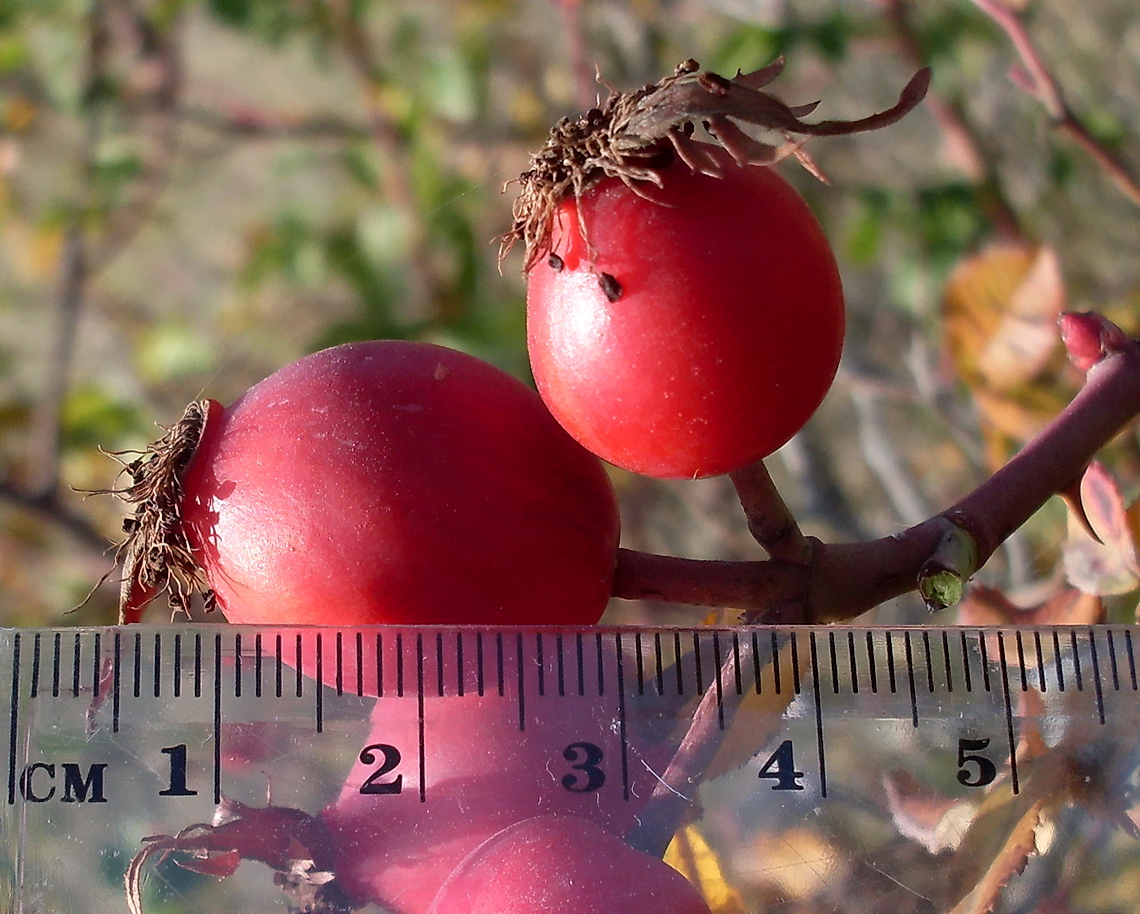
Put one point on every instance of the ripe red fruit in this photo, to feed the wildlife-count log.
(703, 332)
(383, 482)
(563, 863)
(685, 315)
(483, 774)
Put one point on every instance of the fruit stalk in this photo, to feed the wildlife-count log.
(844, 580)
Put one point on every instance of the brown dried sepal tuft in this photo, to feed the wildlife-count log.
(288, 840)
(635, 135)
(156, 556)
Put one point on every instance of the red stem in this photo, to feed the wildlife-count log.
(845, 580)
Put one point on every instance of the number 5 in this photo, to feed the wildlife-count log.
(968, 754)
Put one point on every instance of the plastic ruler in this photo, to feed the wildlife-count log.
(825, 769)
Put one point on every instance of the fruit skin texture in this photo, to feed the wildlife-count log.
(398, 482)
(561, 864)
(726, 334)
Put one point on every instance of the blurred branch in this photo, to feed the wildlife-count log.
(259, 124)
(964, 146)
(883, 459)
(153, 94)
(50, 509)
(582, 73)
(390, 142)
(1037, 80)
(83, 254)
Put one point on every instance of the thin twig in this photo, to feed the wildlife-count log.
(1038, 81)
(962, 140)
(53, 511)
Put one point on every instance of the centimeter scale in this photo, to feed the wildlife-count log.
(822, 769)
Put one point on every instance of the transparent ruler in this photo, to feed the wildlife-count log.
(844, 769)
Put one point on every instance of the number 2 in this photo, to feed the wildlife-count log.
(391, 758)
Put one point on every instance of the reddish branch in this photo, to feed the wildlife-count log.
(844, 580)
(1037, 80)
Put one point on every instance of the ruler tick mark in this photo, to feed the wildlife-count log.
(947, 663)
(929, 661)
(1131, 659)
(697, 664)
(891, 681)
(422, 759)
(1058, 662)
(834, 662)
(1012, 737)
(967, 681)
(76, 665)
(280, 661)
(400, 664)
(157, 664)
(479, 684)
(137, 666)
(338, 659)
(622, 732)
(985, 661)
(459, 672)
(737, 684)
(318, 690)
(55, 664)
(819, 742)
(35, 683)
(217, 719)
(775, 663)
(561, 665)
(177, 665)
(757, 673)
(872, 666)
(1112, 662)
(439, 665)
(238, 660)
(539, 661)
(116, 666)
(197, 665)
(14, 719)
(909, 653)
(1097, 688)
(1077, 672)
(360, 663)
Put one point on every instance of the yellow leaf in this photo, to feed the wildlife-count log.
(690, 854)
(1000, 309)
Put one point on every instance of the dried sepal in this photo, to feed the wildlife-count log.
(155, 556)
(290, 841)
(633, 136)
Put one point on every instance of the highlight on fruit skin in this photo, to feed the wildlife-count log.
(397, 482)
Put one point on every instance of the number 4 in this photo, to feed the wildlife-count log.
(781, 768)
